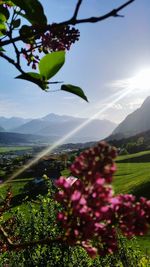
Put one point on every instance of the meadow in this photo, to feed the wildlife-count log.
(132, 176)
(7, 149)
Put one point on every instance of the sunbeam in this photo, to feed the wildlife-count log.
(112, 100)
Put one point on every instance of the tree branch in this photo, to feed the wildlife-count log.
(112, 13)
(77, 9)
(74, 21)
(11, 61)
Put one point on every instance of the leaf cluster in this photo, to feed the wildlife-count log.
(12, 15)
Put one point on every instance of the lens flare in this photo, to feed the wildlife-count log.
(139, 82)
(112, 100)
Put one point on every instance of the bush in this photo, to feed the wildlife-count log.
(39, 221)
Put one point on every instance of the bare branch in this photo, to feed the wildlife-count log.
(77, 9)
(11, 61)
(5, 236)
(112, 13)
(75, 21)
(7, 42)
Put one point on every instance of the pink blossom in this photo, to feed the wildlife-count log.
(90, 209)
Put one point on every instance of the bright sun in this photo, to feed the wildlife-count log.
(141, 80)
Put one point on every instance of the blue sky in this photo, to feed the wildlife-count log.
(107, 52)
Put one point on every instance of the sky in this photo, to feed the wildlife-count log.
(103, 63)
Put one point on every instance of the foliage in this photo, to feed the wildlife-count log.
(92, 213)
(38, 38)
(87, 213)
(40, 222)
(24, 26)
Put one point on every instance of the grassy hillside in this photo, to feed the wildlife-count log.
(143, 156)
(133, 176)
(13, 148)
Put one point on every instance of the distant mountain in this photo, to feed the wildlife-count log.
(134, 123)
(2, 129)
(9, 123)
(54, 117)
(59, 126)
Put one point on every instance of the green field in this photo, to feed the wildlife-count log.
(132, 176)
(13, 148)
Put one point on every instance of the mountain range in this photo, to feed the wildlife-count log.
(53, 127)
(9, 123)
(135, 123)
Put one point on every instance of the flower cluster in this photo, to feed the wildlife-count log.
(5, 4)
(98, 160)
(133, 217)
(30, 57)
(91, 213)
(59, 38)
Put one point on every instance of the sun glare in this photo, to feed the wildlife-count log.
(141, 80)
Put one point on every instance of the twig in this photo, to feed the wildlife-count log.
(112, 13)
(14, 246)
(77, 9)
(11, 61)
(75, 21)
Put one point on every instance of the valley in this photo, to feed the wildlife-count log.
(132, 176)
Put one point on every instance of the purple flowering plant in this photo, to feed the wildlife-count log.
(92, 214)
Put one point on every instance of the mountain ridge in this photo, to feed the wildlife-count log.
(61, 125)
(136, 122)
(54, 127)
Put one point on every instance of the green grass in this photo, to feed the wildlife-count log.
(133, 155)
(13, 148)
(143, 156)
(16, 186)
(133, 176)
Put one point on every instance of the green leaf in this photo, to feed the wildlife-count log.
(33, 9)
(2, 29)
(2, 18)
(50, 64)
(2, 49)
(35, 78)
(74, 90)
(5, 12)
(16, 23)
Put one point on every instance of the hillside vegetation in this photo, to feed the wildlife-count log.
(132, 176)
